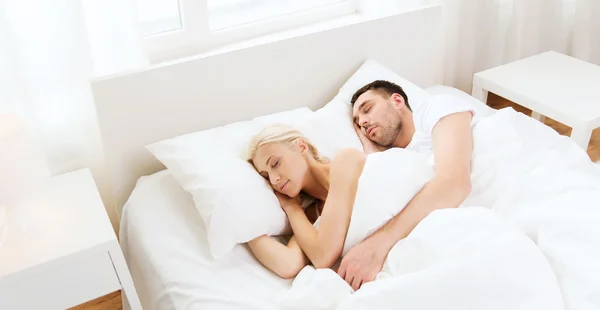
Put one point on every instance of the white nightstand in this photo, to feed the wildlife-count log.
(60, 249)
(550, 84)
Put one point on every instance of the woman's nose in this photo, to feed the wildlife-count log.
(274, 179)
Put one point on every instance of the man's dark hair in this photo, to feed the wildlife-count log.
(383, 87)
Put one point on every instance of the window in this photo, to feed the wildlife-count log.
(230, 13)
(156, 16)
(179, 27)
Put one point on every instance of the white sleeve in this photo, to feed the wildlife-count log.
(437, 107)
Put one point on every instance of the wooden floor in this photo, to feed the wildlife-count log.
(593, 151)
(111, 301)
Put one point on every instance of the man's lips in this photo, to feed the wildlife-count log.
(370, 130)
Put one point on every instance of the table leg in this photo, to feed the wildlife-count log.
(581, 137)
(129, 296)
(479, 93)
(538, 116)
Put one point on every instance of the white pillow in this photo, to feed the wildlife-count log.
(331, 128)
(370, 71)
(235, 202)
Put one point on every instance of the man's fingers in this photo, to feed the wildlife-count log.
(350, 275)
(356, 283)
(342, 270)
(349, 279)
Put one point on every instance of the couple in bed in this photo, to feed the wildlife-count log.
(383, 119)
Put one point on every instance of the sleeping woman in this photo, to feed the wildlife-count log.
(293, 165)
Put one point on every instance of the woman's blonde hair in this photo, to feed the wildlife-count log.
(280, 133)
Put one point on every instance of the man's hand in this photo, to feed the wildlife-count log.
(362, 263)
(368, 145)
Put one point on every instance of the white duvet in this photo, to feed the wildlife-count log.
(528, 237)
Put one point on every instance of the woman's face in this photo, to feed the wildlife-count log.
(284, 166)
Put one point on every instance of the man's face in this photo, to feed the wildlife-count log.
(378, 116)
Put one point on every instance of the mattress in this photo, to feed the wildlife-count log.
(163, 240)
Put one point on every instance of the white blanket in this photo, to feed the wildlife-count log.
(466, 258)
(549, 188)
(536, 246)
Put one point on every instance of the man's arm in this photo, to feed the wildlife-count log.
(452, 148)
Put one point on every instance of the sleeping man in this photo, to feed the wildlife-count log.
(541, 182)
(441, 126)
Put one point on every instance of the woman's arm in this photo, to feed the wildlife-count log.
(325, 245)
(285, 261)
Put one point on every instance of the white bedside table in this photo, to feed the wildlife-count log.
(60, 249)
(550, 84)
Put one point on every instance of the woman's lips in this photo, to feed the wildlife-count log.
(285, 185)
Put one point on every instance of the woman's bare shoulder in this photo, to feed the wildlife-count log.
(349, 155)
(349, 161)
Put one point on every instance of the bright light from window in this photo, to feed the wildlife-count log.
(230, 13)
(156, 16)
(171, 26)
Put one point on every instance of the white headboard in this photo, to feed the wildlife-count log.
(193, 94)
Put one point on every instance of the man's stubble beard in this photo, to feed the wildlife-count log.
(390, 133)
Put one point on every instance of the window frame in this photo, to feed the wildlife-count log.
(195, 36)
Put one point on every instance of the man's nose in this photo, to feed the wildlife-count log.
(362, 121)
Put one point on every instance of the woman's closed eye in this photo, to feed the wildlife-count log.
(275, 164)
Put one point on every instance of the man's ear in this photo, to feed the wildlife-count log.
(399, 100)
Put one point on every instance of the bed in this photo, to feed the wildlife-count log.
(164, 238)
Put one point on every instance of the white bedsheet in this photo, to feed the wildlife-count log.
(163, 239)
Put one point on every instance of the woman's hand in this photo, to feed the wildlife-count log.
(289, 204)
